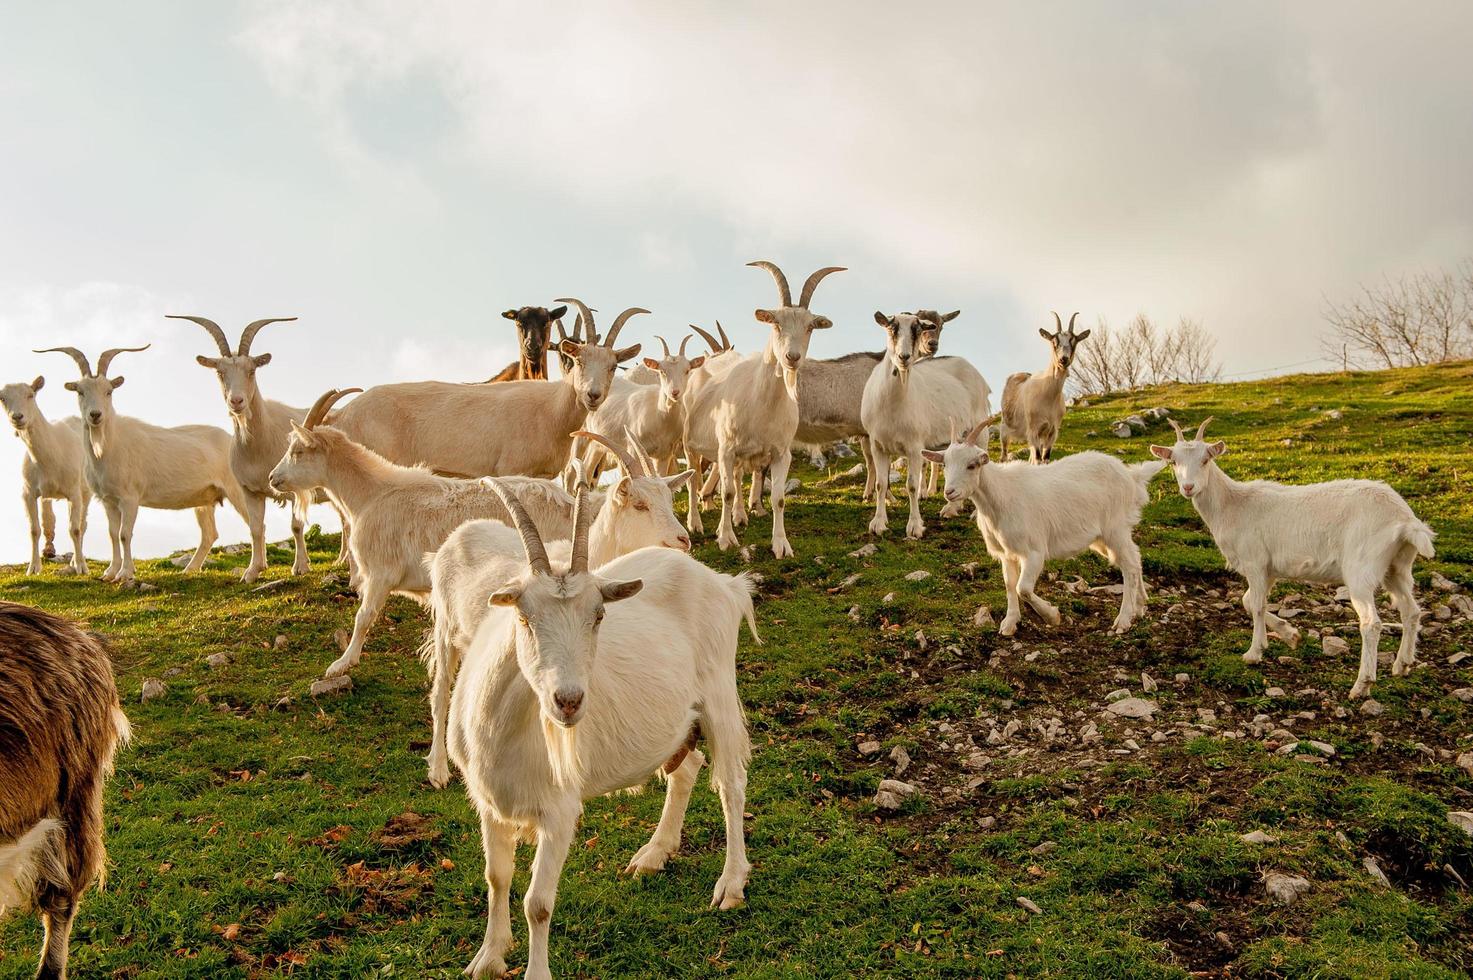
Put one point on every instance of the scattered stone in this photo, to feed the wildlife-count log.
(1333, 646)
(282, 704)
(1133, 708)
(1461, 819)
(1372, 707)
(888, 599)
(1206, 716)
(901, 758)
(341, 637)
(1121, 431)
(1464, 694)
(1181, 678)
(1374, 870)
(978, 761)
(922, 641)
(1116, 695)
(1027, 903)
(1258, 837)
(218, 659)
(1458, 657)
(1445, 584)
(153, 689)
(1465, 762)
(864, 551)
(1442, 612)
(892, 793)
(1148, 683)
(272, 586)
(1131, 744)
(1285, 889)
(919, 575)
(280, 642)
(870, 747)
(983, 617)
(341, 684)
(854, 613)
(1274, 692)
(1044, 848)
(792, 485)
(1334, 414)
(850, 581)
(855, 471)
(987, 823)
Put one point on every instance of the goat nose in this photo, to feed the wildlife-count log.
(16, 417)
(568, 702)
(684, 542)
(1188, 487)
(794, 358)
(95, 416)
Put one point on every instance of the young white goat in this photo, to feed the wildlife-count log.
(1033, 404)
(744, 415)
(651, 414)
(130, 464)
(911, 404)
(580, 683)
(638, 512)
(1031, 514)
(1359, 533)
(261, 430)
(398, 512)
(52, 470)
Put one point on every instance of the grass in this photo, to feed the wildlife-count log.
(254, 831)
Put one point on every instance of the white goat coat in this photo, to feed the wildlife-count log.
(176, 468)
(906, 413)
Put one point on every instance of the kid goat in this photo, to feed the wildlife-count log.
(52, 470)
(632, 657)
(1359, 533)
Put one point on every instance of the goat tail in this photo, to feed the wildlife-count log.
(1145, 472)
(743, 588)
(122, 728)
(1419, 536)
(32, 859)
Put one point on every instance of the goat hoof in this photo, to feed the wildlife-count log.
(33, 569)
(1400, 669)
(250, 575)
(648, 860)
(1008, 628)
(914, 532)
(439, 776)
(340, 666)
(486, 964)
(729, 892)
(1361, 689)
(1252, 657)
(781, 549)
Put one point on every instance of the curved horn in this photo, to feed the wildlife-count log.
(664, 346)
(210, 326)
(1175, 425)
(683, 341)
(639, 451)
(1202, 427)
(631, 469)
(582, 517)
(71, 352)
(106, 357)
(619, 321)
(249, 333)
(711, 341)
(725, 341)
(531, 537)
(1071, 322)
(585, 317)
(1057, 322)
(782, 280)
(325, 401)
(813, 281)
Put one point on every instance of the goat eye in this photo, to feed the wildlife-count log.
(640, 505)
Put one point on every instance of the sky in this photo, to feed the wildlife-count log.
(395, 175)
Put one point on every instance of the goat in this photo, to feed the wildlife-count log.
(744, 415)
(534, 327)
(261, 430)
(1359, 533)
(908, 405)
(579, 683)
(52, 470)
(1033, 404)
(650, 414)
(511, 428)
(60, 725)
(130, 464)
(1029, 515)
(638, 512)
(932, 323)
(398, 512)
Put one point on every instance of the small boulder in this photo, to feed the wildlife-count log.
(864, 551)
(983, 617)
(893, 793)
(1285, 889)
(218, 659)
(901, 758)
(1258, 837)
(1028, 905)
(1148, 683)
(341, 684)
(1371, 707)
(153, 689)
(1133, 708)
(1334, 646)
(919, 575)
(1462, 819)
(869, 747)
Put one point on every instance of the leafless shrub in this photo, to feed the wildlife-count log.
(1143, 354)
(1426, 318)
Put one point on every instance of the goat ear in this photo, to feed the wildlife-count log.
(1080, 336)
(679, 480)
(614, 591)
(765, 316)
(696, 362)
(209, 362)
(1216, 449)
(1161, 452)
(951, 316)
(651, 363)
(626, 353)
(304, 434)
(70, 386)
(39, 383)
(261, 360)
(557, 312)
(117, 382)
(509, 314)
(621, 489)
(882, 319)
(569, 347)
(506, 597)
(933, 455)
(1045, 335)
(820, 323)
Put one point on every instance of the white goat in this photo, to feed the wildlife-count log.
(1033, 404)
(1359, 533)
(398, 512)
(473, 430)
(638, 512)
(911, 404)
(130, 464)
(1029, 515)
(261, 430)
(580, 683)
(744, 415)
(643, 374)
(52, 470)
(652, 414)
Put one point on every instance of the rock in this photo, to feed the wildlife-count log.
(1374, 870)
(1121, 431)
(977, 761)
(1465, 762)
(854, 613)
(1131, 744)
(983, 617)
(970, 568)
(1334, 415)
(855, 471)
(793, 484)
(1456, 658)
(1285, 889)
(280, 642)
(870, 747)
(341, 637)
(1445, 584)
(218, 659)
(341, 684)
(892, 793)
(1181, 678)
(901, 758)
(865, 551)
(919, 575)
(888, 599)
(1117, 695)
(1464, 694)
(1442, 612)
(1133, 708)
(1372, 707)
(153, 689)
(1334, 646)
(987, 822)
(1274, 692)
(1461, 819)
(282, 704)
(1148, 683)
(1044, 848)
(850, 581)
(1258, 837)
(1029, 905)
(922, 641)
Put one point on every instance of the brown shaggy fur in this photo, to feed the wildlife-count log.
(60, 723)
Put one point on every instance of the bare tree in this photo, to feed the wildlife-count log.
(1143, 354)
(1425, 318)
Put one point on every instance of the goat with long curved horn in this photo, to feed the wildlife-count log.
(531, 538)
(631, 468)
(650, 469)
(619, 322)
(726, 343)
(325, 401)
(210, 326)
(585, 317)
(1071, 321)
(105, 359)
(663, 346)
(582, 518)
(73, 353)
(1177, 426)
(784, 292)
(254, 327)
(1202, 428)
(813, 281)
(711, 341)
(1058, 324)
(683, 341)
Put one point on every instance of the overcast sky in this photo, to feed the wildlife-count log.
(397, 174)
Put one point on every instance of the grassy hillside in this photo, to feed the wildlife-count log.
(254, 830)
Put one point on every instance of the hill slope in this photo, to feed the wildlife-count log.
(254, 830)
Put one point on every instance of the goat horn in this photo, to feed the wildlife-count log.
(531, 537)
(585, 317)
(782, 281)
(639, 451)
(210, 325)
(970, 439)
(106, 357)
(1057, 322)
(619, 321)
(683, 341)
(725, 341)
(663, 345)
(631, 469)
(582, 517)
(325, 401)
(813, 281)
(1071, 322)
(711, 341)
(1202, 427)
(1175, 425)
(249, 333)
(74, 354)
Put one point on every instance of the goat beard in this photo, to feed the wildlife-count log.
(790, 382)
(562, 753)
(94, 436)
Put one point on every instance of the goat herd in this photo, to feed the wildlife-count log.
(478, 500)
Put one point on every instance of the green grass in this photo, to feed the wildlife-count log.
(246, 821)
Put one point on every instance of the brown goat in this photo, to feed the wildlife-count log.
(534, 327)
(60, 723)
